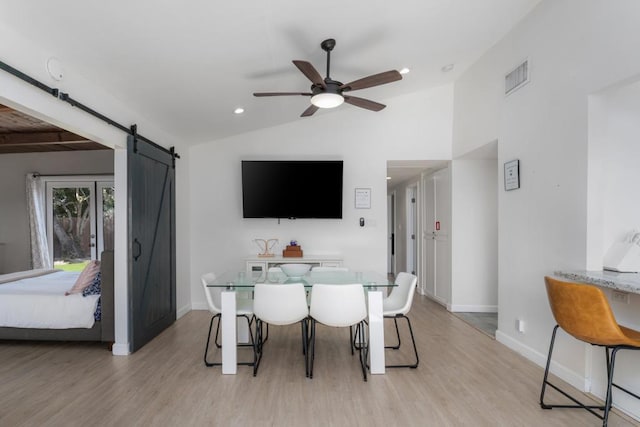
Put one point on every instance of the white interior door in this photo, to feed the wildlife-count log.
(441, 236)
(436, 274)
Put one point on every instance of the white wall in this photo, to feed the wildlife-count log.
(621, 163)
(474, 235)
(575, 48)
(14, 223)
(413, 126)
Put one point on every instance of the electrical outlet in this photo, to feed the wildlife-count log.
(620, 296)
(520, 326)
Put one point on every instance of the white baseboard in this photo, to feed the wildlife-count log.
(622, 402)
(576, 380)
(120, 349)
(460, 308)
(435, 299)
(202, 305)
(182, 311)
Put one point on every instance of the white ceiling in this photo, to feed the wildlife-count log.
(187, 65)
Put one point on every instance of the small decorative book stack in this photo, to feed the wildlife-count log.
(292, 251)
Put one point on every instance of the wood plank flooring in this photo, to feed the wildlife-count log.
(464, 379)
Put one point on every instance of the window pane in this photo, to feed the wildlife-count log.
(107, 217)
(71, 224)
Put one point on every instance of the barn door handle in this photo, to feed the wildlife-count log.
(137, 242)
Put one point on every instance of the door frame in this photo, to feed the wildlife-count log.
(391, 231)
(91, 181)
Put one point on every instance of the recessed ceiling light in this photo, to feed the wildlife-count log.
(239, 110)
(405, 70)
(447, 68)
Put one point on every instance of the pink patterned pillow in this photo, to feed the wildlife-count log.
(85, 278)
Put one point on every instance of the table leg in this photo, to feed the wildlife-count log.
(376, 333)
(228, 326)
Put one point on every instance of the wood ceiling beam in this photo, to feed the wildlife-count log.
(41, 138)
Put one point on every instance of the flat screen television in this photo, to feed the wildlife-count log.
(292, 189)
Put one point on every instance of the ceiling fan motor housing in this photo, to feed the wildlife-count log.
(328, 45)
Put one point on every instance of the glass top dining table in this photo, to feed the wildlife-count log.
(247, 280)
(232, 282)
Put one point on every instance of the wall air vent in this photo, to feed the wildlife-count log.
(516, 78)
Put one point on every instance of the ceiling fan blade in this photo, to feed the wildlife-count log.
(374, 80)
(310, 72)
(309, 111)
(281, 93)
(364, 103)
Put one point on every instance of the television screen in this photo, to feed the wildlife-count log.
(291, 189)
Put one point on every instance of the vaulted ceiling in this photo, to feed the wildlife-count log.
(186, 66)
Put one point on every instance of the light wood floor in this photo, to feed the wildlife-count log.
(464, 379)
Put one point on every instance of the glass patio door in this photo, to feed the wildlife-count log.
(79, 220)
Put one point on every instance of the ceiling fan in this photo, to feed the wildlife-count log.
(329, 93)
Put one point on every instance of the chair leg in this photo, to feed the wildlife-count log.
(304, 336)
(351, 338)
(545, 382)
(217, 333)
(257, 347)
(413, 340)
(397, 346)
(312, 348)
(610, 367)
(305, 350)
(206, 349)
(253, 344)
(363, 349)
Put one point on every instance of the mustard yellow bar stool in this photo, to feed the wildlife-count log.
(584, 313)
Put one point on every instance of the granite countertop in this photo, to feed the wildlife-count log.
(626, 282)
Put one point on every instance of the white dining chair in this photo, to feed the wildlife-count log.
(244, 309)
(338, 306)
(321, 269)
(280, 304)
(397, 305)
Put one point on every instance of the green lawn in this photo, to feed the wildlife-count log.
(70, 266)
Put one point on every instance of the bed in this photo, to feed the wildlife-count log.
(102, 330)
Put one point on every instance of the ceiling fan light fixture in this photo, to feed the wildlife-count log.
(327, 100)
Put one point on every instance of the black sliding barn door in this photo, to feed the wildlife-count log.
(152, 282)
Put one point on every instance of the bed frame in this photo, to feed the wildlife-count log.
(101, 331)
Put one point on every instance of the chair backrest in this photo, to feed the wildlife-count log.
(401, 296)
(280, 304)
(212, 293)
(321, 269)
(584, 312)
(338, 305)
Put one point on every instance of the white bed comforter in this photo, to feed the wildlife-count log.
(40, 302)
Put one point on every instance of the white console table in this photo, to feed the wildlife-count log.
(260, 264)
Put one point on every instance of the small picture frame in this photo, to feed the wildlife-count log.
(512, 175)
(363, 198)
